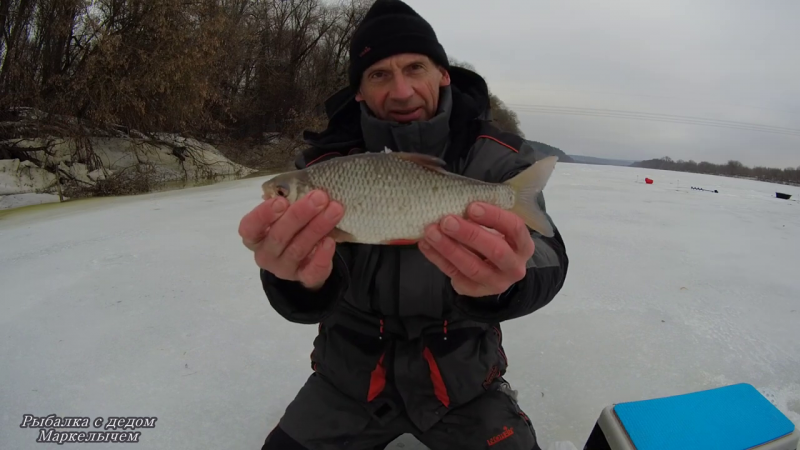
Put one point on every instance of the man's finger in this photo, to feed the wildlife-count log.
(463, 260)
(465, 286)
(461, 284)
(477, 238)
(506, 222)
(319, 227)
(297, 216)
(253, 226)
(438, 260)
(319, 266)
(252, 246)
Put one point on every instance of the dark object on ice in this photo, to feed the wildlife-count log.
(706, 190)
(783, 196)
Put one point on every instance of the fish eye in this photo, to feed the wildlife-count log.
(283, 191)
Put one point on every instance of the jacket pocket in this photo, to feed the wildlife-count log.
(465, 364)
(353, 362)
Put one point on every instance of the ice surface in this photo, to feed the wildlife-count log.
(150, 306)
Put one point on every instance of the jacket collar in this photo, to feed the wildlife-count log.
(428, 137)
(468, 97)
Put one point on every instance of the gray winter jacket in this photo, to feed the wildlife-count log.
(393, 333)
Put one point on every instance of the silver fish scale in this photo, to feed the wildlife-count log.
(388, 198)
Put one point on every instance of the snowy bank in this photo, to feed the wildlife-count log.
(43, 163)
(20, 200)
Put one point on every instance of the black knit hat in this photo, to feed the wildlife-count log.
(391, 27)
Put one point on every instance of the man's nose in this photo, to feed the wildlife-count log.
(401, 89)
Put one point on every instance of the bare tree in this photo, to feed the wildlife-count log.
(505, 118)
(230, 70)
(732, 168)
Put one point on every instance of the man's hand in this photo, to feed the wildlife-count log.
(291, 241)
(480, 262)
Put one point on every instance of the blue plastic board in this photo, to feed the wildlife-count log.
(733, 417)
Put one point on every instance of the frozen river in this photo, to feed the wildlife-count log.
(150, 306)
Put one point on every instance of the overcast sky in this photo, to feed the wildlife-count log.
(728, 60)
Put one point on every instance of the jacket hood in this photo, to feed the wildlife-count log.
(470, 96)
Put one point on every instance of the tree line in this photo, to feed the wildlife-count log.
(790, 175)
(226, 69)
(197, 66)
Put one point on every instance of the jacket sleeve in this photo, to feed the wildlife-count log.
(546, 269)
(300, 305)
(545, 276)
(289, 298)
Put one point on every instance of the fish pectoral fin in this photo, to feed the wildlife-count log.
(341, 236)
(427, 161)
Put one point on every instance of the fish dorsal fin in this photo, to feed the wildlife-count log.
(427, 161)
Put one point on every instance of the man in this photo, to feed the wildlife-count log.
(409, 335)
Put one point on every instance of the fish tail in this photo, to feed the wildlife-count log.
(527, 186)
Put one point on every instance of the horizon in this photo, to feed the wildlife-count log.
(677, 160)
(577, 75)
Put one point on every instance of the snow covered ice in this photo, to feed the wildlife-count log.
(151, 306)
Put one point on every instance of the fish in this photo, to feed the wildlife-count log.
(389, 198)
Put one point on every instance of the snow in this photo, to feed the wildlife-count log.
(23, 183)
(29, 199)
(23, 177)
(200, 161)
(150, 306)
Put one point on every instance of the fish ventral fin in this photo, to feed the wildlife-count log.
(427, 161)
(339, 235)
(527, 185)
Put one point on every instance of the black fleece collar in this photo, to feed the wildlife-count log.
(469, 97)
(429, 137)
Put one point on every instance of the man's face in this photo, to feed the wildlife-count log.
(403, 88)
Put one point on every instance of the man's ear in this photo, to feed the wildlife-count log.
(359, 97)
(445, 81)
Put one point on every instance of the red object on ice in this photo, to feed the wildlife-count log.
(648, 181)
